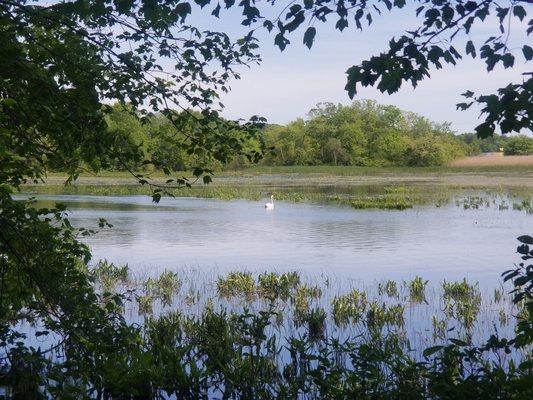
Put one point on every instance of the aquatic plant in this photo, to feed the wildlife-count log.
(390, 288)
(109, 274)
(503, 317)
(379, 314)
(272, 285)
(302, 298)
(145, 304)
(349, 307)
(417, 289)
(439, 327)
(164, 286)
(236, 284)
(466, 312)
(316, 322)
(498, 295)
(462, 301)
(526, 205)
(459, 291)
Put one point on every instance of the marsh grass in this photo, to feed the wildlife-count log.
(418, 311)
(291, 335)
(388, 197)
(417, 289)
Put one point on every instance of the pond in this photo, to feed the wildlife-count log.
(434, 242)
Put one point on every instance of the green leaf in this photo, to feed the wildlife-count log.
(341, 24)
(432, 350)
(526, 239)
(528, 52)
(470, 49)
(309, 36)
(458, 342)
(519, 12)
(183, 9)
(281, 41)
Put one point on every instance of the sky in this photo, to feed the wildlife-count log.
(288, 84)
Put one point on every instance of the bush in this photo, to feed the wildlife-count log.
(431, 151)
(521, 145)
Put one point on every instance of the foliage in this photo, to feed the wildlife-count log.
(239, 353)
(522, 277)
(477, 145)
(364, 133)
(236, 283)
(417, 288)
(61, 65)
(518, 146)
(443, 26)
(63, 62)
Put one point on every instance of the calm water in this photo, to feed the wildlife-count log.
(436, 243)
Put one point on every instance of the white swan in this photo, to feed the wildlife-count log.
(270, 206)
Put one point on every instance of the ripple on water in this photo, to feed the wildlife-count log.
(434, 242)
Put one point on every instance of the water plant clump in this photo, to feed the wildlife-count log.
(417, 289)
(349, 307)
(462, 301)
(379, 315)
(302, 299)
(108, 275)
(525, 205)
(498, 295)
(439, 327)
(316, 323)
(474, 202)
(236, 284)
(390, 288)
(459, 291)
(272, 285)
(164, 286)
(145, 304)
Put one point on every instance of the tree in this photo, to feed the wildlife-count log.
(518, 146)
(62, 64)
(363, 133)
(444, 25)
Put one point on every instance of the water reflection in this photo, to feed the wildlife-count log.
(447, 242)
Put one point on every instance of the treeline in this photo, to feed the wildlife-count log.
(364, 133)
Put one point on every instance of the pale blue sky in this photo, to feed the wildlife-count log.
(287, 84)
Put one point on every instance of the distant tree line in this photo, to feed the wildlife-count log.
(364, 133)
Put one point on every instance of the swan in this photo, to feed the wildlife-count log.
(270, 206)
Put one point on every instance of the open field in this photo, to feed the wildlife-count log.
(493, 160)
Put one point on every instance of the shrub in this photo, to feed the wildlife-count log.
(521, 145)
(431, 151)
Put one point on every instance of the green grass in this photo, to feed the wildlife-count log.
(386, 197)
(353, 170)
(327, 169)
(396, 188)
(391, 197)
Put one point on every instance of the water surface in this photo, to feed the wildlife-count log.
(437, 243)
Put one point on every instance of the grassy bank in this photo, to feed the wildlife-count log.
(477, 177)
(454, 168)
